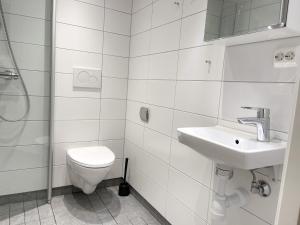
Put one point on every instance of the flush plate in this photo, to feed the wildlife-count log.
(86, 77)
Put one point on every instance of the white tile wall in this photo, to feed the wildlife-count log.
(185, 82)
(93, 36)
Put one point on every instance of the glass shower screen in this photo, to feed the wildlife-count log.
(24, 137)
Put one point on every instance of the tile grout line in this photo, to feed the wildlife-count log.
(128, 73)
(173, 108)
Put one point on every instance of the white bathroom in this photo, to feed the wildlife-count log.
(149, 112)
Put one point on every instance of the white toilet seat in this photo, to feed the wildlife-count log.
(92, 157)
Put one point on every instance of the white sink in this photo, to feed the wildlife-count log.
(232, 147)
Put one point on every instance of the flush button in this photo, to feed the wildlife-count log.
(144, 114)
(86, 77)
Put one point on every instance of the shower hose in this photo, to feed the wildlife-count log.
(17, 70)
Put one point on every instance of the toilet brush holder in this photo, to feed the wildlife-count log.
(124, 189)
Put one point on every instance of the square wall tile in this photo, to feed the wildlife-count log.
(117, 45)
(141, 21)
(33, 8)
(76, 108)
(165, 12)
(123, 6)
(80, 14)
(192, 31)
(161, 92)
(117, 22)
(60, 176)
(137, 90)
(114, 88)
(31, 57)
(194, 6)
(161, 119)
(138, 67)
(163, 65)
(185, 119)
(201, 63)
(76, 131)
(24, 133)
(152, 192)
(139, 4)
(178, 214)
(165, 38)
(190, 162)
(94, 2)
(24, 157)
(36, 179)
(134, 133)
(113, 109)
(152, 168)
(132, 113)
(157, 144)
(66, 60)
(14, 106)
(191, 193)
(114, 66)
(140, 44)
(191, 96)
(112, 129)
(73, 37)
(27, 30)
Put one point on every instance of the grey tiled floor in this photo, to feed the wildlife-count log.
(102, 207)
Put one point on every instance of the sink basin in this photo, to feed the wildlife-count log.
(232, 147)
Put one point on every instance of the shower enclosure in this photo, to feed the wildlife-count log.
(25, 90)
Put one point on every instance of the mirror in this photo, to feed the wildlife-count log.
(226, 18)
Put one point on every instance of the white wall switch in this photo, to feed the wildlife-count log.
(86, 77)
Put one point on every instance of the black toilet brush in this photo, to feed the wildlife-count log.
(124, 186)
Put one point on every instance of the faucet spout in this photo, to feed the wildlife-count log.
(262, 123)
(248, 120)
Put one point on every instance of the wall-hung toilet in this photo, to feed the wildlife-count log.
(88, 166)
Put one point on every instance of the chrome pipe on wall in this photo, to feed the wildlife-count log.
(52, 94)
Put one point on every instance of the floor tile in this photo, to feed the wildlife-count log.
(103, 207)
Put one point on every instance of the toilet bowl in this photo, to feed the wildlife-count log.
(88, 166)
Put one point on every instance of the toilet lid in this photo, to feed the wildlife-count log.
(93, 157)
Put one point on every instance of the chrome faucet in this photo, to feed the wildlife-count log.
(262, 122)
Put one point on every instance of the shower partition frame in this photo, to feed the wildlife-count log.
(52, 98)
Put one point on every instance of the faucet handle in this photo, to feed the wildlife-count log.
(261, 112)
